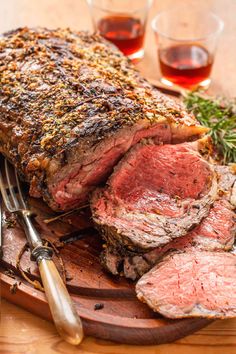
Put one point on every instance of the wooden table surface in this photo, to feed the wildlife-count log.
(22, 332)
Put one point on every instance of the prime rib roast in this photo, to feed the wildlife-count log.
(82, 126)
(71, 105)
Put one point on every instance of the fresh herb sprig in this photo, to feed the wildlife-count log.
(220, 116)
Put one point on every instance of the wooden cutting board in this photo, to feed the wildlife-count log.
(107, 305)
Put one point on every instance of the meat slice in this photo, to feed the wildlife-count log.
(71, 105)
(191, 284)
(156, 193)
(216, 232)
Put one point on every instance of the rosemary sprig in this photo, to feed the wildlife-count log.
(220, 116)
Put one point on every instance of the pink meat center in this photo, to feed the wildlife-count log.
(158, 178)
(188, 280)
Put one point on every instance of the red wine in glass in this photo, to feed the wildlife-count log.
(186, 65)
(126, 32)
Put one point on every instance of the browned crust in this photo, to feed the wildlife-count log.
(62, 91)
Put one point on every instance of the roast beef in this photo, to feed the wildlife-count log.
(156, 194)
(195, 276)
(192, 283)
(216, 232)
(71, 105)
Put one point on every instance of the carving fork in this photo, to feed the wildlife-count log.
(63, 311)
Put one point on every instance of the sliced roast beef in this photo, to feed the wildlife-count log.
(71, 105)
(156, 193)
(191, 284)
(195, 276)
(216, 232)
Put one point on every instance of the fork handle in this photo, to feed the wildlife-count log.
(63, 311)
(64, 314)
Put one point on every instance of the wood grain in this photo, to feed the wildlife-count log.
(22, 332)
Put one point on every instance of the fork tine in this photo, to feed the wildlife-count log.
(22, 200)
(10, 187)
(4, 195)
